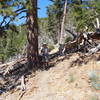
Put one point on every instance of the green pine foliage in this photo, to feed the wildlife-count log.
(85, 14)
(12, 43)
(55, 12)
(12, 37)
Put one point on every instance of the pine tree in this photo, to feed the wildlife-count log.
(32, 35)
(30, 8)
(12, 43)
(85, 14)
(55, 13)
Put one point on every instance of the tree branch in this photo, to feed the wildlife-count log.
(74, 35)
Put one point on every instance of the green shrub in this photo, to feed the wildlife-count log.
(51, 47)
(95, 85)
(94, 80)
(71, 78)
(93, 76)
(68, 39)
(93, 98)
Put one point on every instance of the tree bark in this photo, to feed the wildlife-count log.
(98, 23)
(32, 36)
(59, 30)
(62, 25)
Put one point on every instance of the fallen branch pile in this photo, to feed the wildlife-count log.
(11, 72)
(7, 67)
(85, 42)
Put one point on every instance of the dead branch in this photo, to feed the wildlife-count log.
(94, 50)
(21, 95)
(83, 41)
(5, 68)
(10, 65)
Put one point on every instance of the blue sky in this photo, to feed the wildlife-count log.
(42, 4)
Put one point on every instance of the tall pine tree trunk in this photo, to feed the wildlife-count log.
(62, 25)
(97, 22)
(32, 36)
(61, 42)
(59, 31)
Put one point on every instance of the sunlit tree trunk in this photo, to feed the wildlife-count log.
(32, 36)
(62, 25)
(59, 30)
(97, 22)
(61, 41)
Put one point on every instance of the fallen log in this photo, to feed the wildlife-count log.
(94, 50)
(12, 72)
(82, 42)
(95, 36)
(6, 64)
(4, 68)
(10, 66)
(73, 44)
(12, 63)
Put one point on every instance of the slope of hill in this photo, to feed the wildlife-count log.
(68, 79)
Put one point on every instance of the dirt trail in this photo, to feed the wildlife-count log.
(60, 82)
